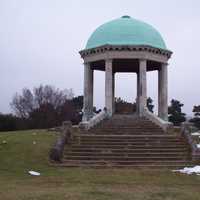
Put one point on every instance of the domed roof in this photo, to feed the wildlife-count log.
(126, 31)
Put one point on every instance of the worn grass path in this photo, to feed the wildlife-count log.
(19, 154)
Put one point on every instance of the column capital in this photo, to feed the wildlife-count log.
(143, 60)
(164, 64)
(108, 60)
(142, 63)
(109, 65)
(86, 63)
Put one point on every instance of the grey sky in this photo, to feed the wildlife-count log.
(40, 40)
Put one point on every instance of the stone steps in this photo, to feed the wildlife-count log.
(173, 166)
(133, 126)
(129, 136)
(128, 154)
(127, 164)
(127, 132)
(130, 143)
(142, 150)
(127, 141)
(132, 146)
(115, 159)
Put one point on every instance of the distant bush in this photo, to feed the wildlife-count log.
(176, 116)
(9, 122)
(122, 106)
(196, 119)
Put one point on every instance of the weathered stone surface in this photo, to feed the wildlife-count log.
(109, 87)
(127, 141)
(163, 92)
(192, 140)
(142, 88)
(88, 92)
(56, 152)
(126, 52)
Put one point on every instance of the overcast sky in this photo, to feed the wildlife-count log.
(40, 40)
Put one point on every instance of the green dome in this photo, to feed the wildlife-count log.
(126, 31)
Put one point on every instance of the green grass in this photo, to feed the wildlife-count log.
(19, 155)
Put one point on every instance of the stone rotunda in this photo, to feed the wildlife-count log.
(126, 45)
(108, 139)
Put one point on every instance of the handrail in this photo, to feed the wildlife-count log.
(56, 152)
(193, 140)
(94, 120)
(158, 121)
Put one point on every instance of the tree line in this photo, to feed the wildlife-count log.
(43, 107)
(47, 106)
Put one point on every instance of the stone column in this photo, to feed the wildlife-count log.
(137, 97)
(142, 87)
(109, 87)
(88, 92)
(113, 91)
(163, 92)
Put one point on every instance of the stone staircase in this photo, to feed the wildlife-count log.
(127, 141)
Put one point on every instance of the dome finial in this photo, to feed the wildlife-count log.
(126, 16)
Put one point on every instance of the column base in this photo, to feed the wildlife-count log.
(141, 113)
(141, 107)
(87, 117)
(163, 117)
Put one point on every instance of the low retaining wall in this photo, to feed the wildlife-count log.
(94, 120)
(187, 131)
(166, 126)
(56, 152)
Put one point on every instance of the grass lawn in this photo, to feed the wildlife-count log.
(20, 154)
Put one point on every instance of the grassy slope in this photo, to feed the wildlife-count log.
(19, 155)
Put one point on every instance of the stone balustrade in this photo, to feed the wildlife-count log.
(56, 152)
(165, 125)
(94, 120)
(189, 132)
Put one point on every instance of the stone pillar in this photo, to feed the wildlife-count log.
(109, 87)
(113, 91)
(142, 87)
(88, 92)
(163, 92)
(137, 97)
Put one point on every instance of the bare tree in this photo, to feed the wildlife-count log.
(24, 104)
